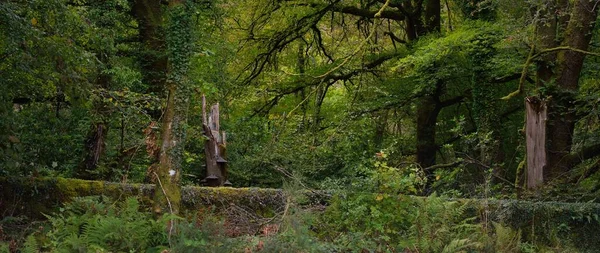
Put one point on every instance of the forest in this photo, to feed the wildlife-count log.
(299, 126)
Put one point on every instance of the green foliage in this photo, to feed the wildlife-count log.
(443, 226)
(478, 9)
(374, 223)
(204, 234)
(100, 224)
(507, 240)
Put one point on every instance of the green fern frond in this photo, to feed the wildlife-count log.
(461, 245)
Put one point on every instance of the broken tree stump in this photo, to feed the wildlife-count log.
(214, 148)
(535, 129)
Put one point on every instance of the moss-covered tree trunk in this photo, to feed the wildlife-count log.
(559, 72)
(166, 49)
(561, 117)
(428, 107)
(485, 102)
(167, 197)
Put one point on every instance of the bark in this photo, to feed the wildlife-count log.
(167, 175)
(414, 25)
(167, 197)
(535, 130)
(562, 118)
(320, 93)
(381, 123)
(432, 15)
(428, 107)
(214, 148)
(561, 69)
(301, 65)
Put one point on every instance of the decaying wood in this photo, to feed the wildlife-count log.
(214, 147)
(535, 129)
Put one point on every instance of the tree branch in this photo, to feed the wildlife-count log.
(443, 165)
(394, 38)
(452, 101)
(328, 80)
(532, 57)
(512, 77)
(365, 13)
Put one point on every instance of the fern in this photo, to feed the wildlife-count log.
(443, 226)
(98, 224)
(461, 245)
(507, 240)
(30, 245)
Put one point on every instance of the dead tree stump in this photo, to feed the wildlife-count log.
(535, 129)
(214, 148)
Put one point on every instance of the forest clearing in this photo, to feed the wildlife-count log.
(299, 126)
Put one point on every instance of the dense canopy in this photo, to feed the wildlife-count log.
(458, 98)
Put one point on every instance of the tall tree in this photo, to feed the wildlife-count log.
(166, 37)
(411, 20)
(178, 37)
(564, 31)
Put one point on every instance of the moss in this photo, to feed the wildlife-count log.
(544, 222)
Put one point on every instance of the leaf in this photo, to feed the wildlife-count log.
(34, 21)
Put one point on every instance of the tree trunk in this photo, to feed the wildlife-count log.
(427, 107)
(433, 16)
(94, 148)
(153, 57)
(301, 66)
(561, 117)
(167, 175)
(214, 148)
(485, 107)
(535, 129)
(427, 113)
(381, 123)
(95, 142)
(178, 39)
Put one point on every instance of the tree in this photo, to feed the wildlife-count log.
(170, 50)
(412, 20)
(44, 74)
(107, 19)
(564, 32)
(393, 67)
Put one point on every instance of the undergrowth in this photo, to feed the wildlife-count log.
(381, 219)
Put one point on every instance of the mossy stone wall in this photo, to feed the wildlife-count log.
(539, 222)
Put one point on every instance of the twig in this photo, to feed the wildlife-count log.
(360, 46)
(287, 207)
(164, 192)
